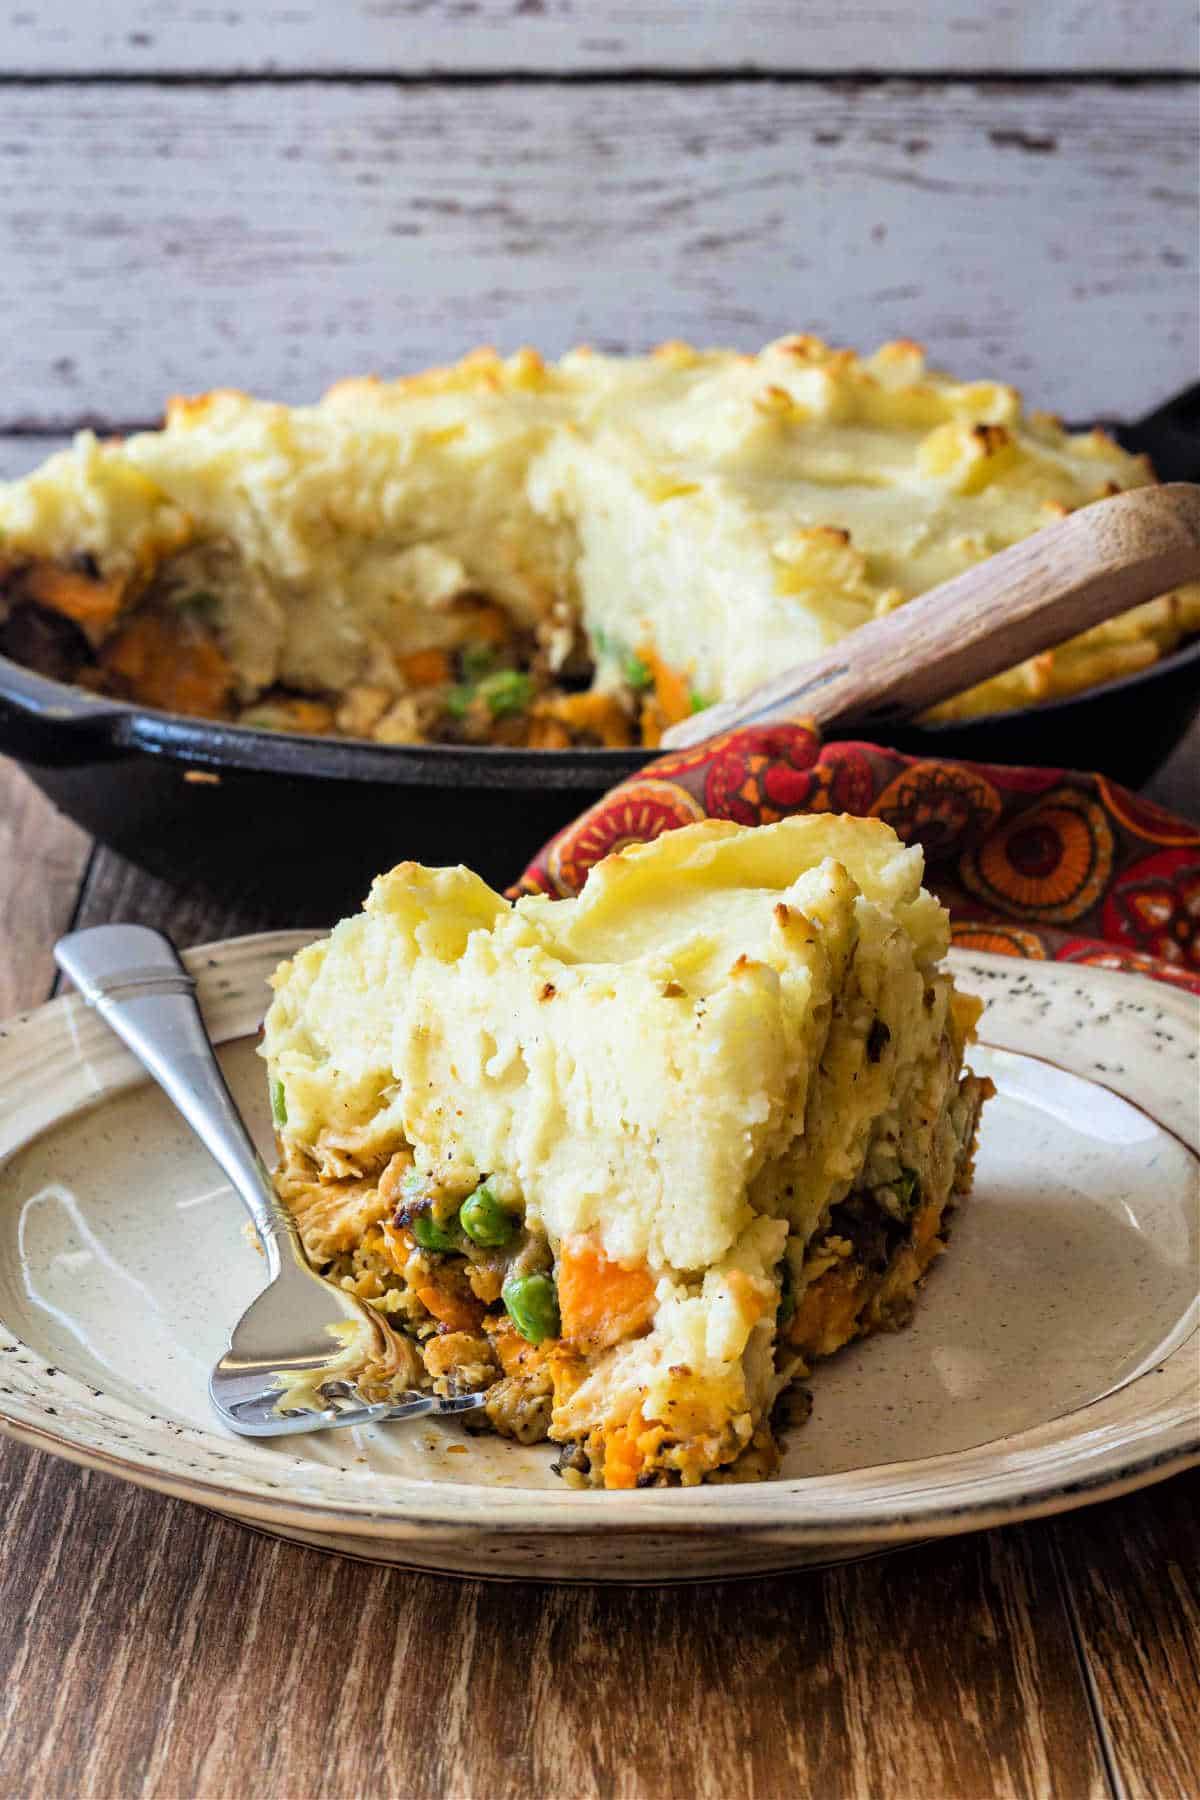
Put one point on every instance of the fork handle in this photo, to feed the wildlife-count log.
(136, 982)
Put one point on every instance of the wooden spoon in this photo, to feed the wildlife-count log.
(1071, 575)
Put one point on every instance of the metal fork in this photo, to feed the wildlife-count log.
(136, 982)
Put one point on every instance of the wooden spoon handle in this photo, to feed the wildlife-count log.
(1071, 575)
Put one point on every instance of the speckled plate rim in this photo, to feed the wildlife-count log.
(61, 1058)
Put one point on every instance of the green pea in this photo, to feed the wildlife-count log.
(200, 603)
(484, 1219)
(433, 1234)
(476, 661)
(507, 691)
(786, 1310)
(458, 701)
(699, 702)
(907, 1189)
(636, 674)
(278, 1104)
(532, 1304)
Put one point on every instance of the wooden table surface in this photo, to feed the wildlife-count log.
(275, 196)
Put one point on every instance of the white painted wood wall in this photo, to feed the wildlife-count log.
(273, 195)
(406, 37)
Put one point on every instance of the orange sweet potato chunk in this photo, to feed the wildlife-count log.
(164, 665)
(672, 691)
(426, 668)
(450, 1310)
(84, 598)
(601, 1301)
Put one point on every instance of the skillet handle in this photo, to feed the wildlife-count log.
(1056, 583)
(1169, 436)
(53, 724)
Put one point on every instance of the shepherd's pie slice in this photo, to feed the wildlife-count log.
(630, 1161)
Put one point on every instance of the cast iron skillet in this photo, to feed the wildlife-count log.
(297, 826)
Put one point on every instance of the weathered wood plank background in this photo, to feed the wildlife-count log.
(156, 239)
(273, 193)
(414, 37)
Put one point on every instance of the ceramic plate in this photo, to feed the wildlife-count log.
(1052, 1361)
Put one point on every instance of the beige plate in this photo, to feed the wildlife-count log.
(1053, 1359)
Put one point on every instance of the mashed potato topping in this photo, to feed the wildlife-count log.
(674, 1105)
(542, 553)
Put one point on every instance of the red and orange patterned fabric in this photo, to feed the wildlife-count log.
(1045, 863)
